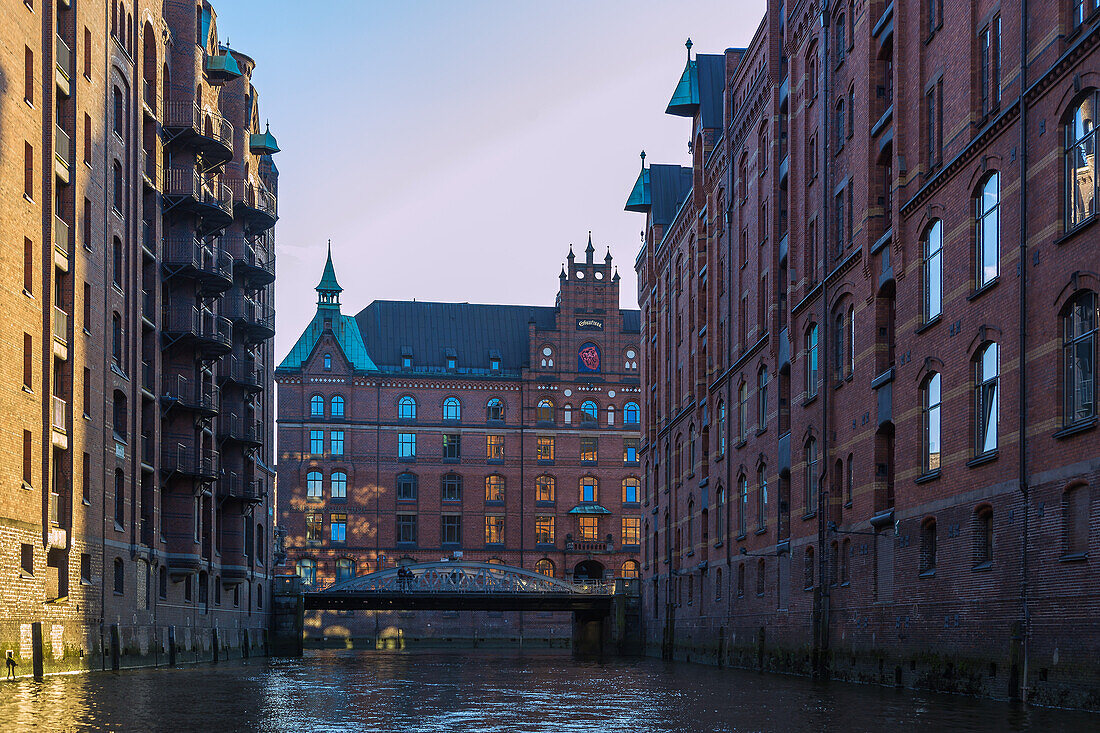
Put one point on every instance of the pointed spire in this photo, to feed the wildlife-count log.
(589, 250)
(562, 276)
(328, 290)
(615, 279)
(570, 256)
(642, 156)
(607, 257)
(688, 45)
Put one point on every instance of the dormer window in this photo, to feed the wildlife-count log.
(452, 363)
(328, 362)
(494, 364)
(406, 362)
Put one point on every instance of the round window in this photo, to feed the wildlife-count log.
(547, 351)
(630, 353)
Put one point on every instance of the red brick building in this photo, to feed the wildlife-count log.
(416, 431)
(869, 308)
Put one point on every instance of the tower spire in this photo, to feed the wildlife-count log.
(328, 290)
(589, 250)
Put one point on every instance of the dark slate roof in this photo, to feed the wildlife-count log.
(668, 186)
(712, 80)
(431, 330)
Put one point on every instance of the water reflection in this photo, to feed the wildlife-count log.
(490, 691)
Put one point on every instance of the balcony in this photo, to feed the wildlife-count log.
(149, 98)
(784, 92)
(210, 334)
(189, 394)
(188, 192)
(149, 238)
(148, 450)
(149, 307)
(235, 486)
(62, 153)
(61, 243)
(254, 204)
(883, 32)
(242, 372)
(59, 423)
(151, 174)
(180, 457)
(253, 260)
(208, 133)
(256, 321)
(240, 429)
(148, 378)
(63, 61)
(60, 334)
(187, 256)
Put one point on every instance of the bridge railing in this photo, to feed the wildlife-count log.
(467, 578)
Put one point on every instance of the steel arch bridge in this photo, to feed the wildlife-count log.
(459, 585)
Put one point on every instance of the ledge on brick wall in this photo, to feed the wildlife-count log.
(1075, 428)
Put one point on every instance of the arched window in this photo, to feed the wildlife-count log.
(545, 567)
(808, 569)
(841, 38)
(811, 361)
(851, 110)
(316, 406)
(544, 488)
(811, 74)
(718, 584)
(809, 490)
(632, 414)
(987, 230)
(338, 485)
(630, 490)
(762, 497)
(327, 360)
(838, 123)
(406, 408)
(986, 383)
(313, 484)
(494, 409)
(1079, 357)
(260, 543)
(117, 267)
(928, 546)
(834, 561)
(932, 396)
(345, 569)
(547, 357)
(850, 482)
(850, 354)
(407, 485)
(567, 414)
(116, 197)
(1081, 158)
(119, 415)
(983, 535)
(545, 411)
(933, 270)
(307, 571)
(691, 449)
(1076, 511)
(762, 397)
(589, 489)
(742, 411)
(337, 406)
(590, 412)
(741, 580)
(630, 569)
(742, 505)
(761, 576)
(721, 413)
(611, 414)
(120, 576)
(494, 488)
(452, 409)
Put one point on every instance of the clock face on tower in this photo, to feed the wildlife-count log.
(588, 359)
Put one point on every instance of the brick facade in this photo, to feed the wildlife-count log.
(441, 500)
(119, 265)
(855, 319)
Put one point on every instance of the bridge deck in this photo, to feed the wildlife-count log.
(395, 600)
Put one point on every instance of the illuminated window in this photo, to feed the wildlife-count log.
(338, 527)
(494, 488)
(544, 449)
(632, 531)
(588, 449)
(545, 567)
(314, 520)
(589, 489)
(494, 530)
(544, 488)
(589, 528)
(545, 411)
(630, 490)
(494, 447)
(630, 570)
(544, 530)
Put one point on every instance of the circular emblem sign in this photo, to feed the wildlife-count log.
(589, 358)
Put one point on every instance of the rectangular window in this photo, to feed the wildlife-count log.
(934, 123)
(632, 531)
(494, 529)
(85, 568)
(589, 489)
(630, 450)
(451, 529)
(87, 389)
(313, 526)
(406, 487)
(588, 450)
(338, 527)
(28, 75)
(86, 213)
(87, 139)
(28, 171)
(452, 487)
(336, 442)
(86, 480)
(316, 442)
(589, 528)
(544, 530)
(494, 447)
(494, 488)
(452, 447)
(545, 449)
(28, 367)
(406, 445)
(87, 53)
(28, 266)
(339, 483)
(27, 459)
(406, 529)
(26, 559)
(630, 490)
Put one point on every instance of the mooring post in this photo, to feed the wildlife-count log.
(36, 651)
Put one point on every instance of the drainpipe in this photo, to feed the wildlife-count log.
(821, 597)
(1022, 391)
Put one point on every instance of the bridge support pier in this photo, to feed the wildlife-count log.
(287, 617)
(589, 631)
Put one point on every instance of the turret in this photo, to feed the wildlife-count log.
(328, 290)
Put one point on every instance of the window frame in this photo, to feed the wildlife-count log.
(1078, 337)
(987, 231)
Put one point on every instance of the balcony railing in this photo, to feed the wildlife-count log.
(181, 456)
(188, 255)
(185, 182)
(60, 414)
(252, 257)
(240, 428)
(190, 394)
(243, 371)
(190, 321)
(258, 319)
(63, 60)
(204, 128)
(60, 326)
(62, 151)
(61, 235)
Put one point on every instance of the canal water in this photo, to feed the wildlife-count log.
(476, 691)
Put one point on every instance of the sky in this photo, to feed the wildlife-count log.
(452, 151)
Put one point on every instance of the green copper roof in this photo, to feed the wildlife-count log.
(222, 67)
(588, 509)
(640, 199)
(328, 277)
(263, 143)
(346, 331)
(685, 100)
